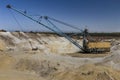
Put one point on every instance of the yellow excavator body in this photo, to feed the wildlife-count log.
(99, 45)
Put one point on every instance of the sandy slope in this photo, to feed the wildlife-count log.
(36, 41)
(19, 62)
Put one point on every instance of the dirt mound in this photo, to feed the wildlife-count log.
(114, 57)
(36, 41)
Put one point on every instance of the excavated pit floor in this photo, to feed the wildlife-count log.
(88, 55)
(33, 65)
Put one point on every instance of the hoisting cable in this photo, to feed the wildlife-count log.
(20, 26)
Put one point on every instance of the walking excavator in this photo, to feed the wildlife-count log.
(89, 45)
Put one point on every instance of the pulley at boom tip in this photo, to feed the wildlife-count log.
(8, 6)
(45, 17)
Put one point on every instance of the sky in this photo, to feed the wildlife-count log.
(96, 15)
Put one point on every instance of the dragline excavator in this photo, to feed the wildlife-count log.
(88, 44)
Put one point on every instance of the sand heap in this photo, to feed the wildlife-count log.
(20, 62)
(36, 41)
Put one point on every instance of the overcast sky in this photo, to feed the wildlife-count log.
(97, 15)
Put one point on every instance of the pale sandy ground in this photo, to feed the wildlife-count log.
(46, 62)
(42, 66)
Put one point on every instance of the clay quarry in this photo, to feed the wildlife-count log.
(40, 56)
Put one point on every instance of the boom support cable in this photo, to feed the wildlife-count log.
(16, 20)
(65, 24)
